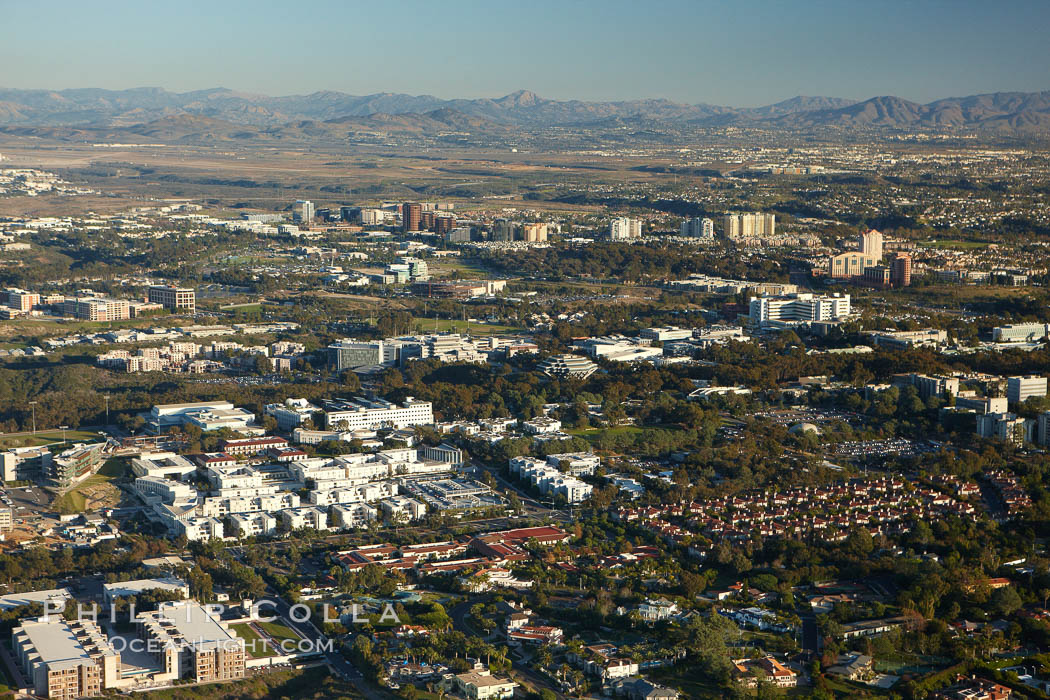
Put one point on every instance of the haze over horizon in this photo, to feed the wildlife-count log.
(748, 54)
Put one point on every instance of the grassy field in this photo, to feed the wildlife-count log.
(255, 645)
(279, 632)
(427, 325)
(956, 245)
(594, 434)
(47, 437)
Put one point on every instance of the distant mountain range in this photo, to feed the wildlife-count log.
(230, 114)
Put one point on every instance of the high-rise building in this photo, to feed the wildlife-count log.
(623, 229)
(698, 228)
(748, 225)
(174, 299)
(900, 270)
(871, 244)
(503, 230)
(534, 233)
(444, 223)
(303, 212)
(411, 216)
(426, 219)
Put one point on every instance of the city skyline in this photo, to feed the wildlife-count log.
(681, 51)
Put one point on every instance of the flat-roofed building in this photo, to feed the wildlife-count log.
(1019, 389)
(65, 659)
(175, 299)
(353, 515)
(480, 685)
(1020, 332)
(75, 464)
(252, 524)
(127, 589)
(53, 599)
(358, 413)
(193, 644)
(166, 465)
(97, 309)
(25, 463)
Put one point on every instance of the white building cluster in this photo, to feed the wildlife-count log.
(549, 479)
(245, 499)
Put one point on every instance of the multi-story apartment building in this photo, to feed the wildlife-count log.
(752, 225)
(624, 229)
(698, 228)
(534, 233)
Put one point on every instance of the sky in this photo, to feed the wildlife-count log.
(742, 53)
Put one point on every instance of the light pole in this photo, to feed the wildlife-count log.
(64, 428)
(33, 404)
(106, 397)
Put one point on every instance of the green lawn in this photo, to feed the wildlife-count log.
(278, 631)
(427, 325)
(593, 435)
(71, 502)
(47, 437)
(74, 501)
(255, 645)
(954, 244)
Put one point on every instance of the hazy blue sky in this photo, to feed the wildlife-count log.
(736, 52)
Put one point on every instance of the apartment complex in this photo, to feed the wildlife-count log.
(698, 228)
(175, 299)
(624, 229)
(753, 225)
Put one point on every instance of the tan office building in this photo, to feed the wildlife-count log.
(175, 299)
(65, 659)
(192, 643)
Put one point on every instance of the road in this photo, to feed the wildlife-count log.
(459, 614)
(334, 659)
